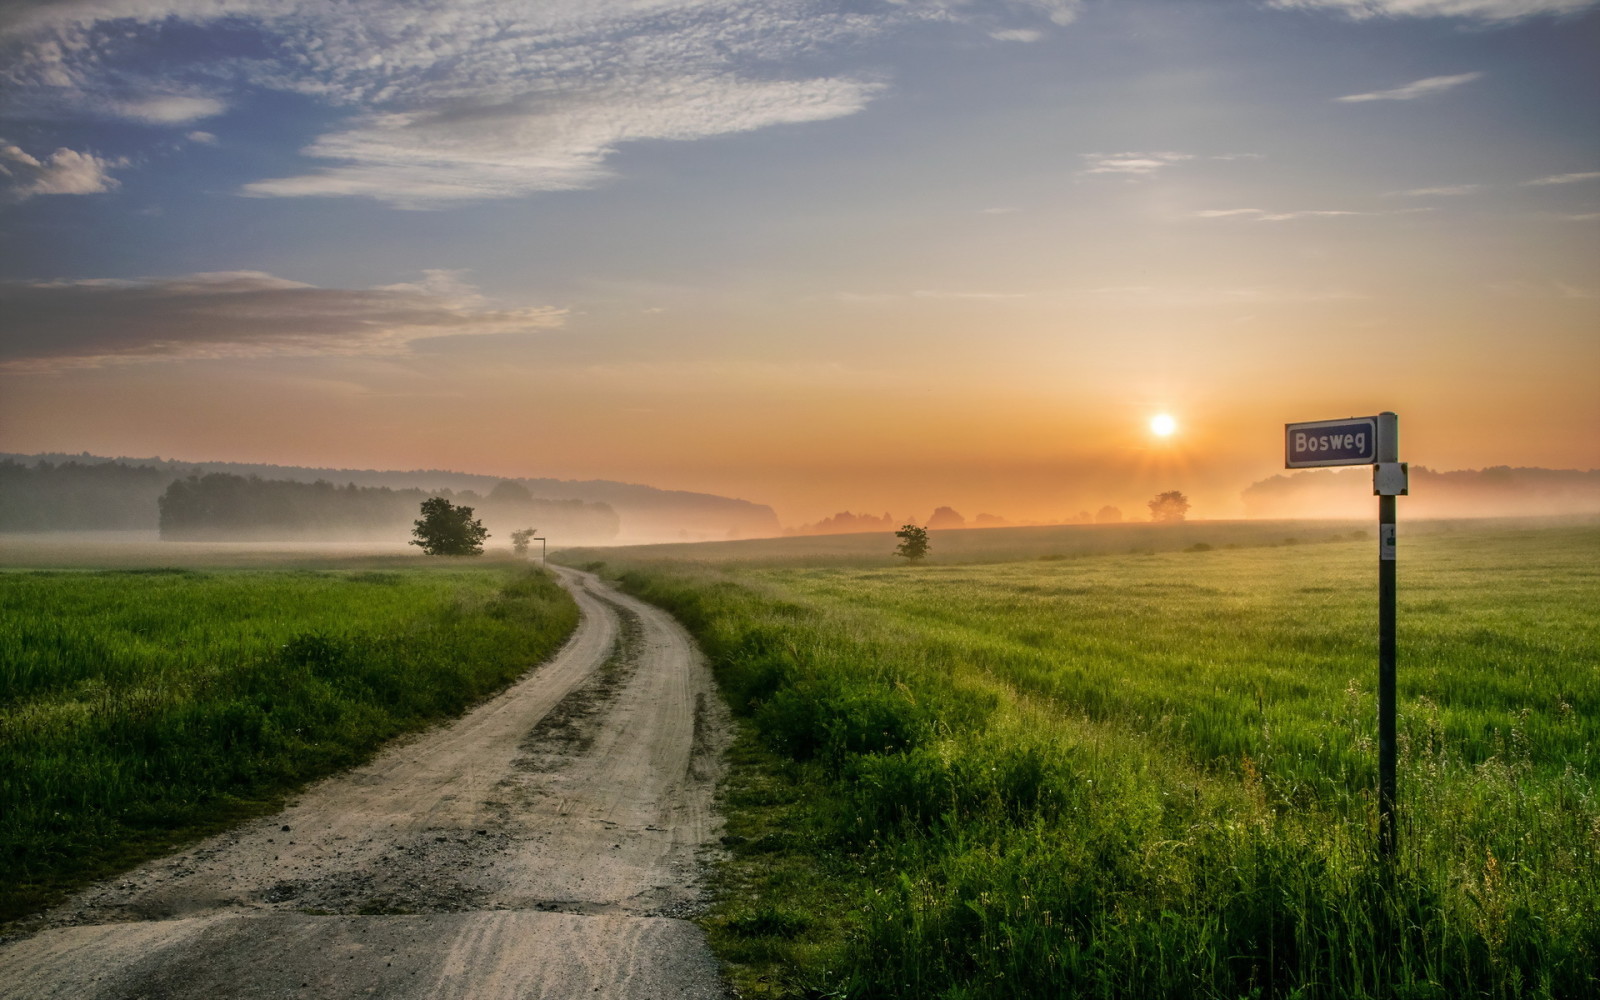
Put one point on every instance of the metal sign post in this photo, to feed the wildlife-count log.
(1371, 441)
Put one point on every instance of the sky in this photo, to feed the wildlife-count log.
(866, 255)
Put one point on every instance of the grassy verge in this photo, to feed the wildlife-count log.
(1150, 775)
(139, 709)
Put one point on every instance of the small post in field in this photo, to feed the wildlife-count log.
(1373, 441)
(541, 542)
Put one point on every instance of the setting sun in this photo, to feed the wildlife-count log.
(1162, 425)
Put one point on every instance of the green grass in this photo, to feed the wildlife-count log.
(140, 708)
(1151, 775)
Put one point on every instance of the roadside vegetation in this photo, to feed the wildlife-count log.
(141, 708)
(1151, 775)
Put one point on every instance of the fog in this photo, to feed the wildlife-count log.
(1467, 493)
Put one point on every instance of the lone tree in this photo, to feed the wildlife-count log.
(520, 539)
(913, 542)
(1169, 507)
(448, 530)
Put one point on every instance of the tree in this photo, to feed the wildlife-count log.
(1169, 507)
(913, 542)
(946, 517)
(1108, 515)
(520, 539)
(448, 530)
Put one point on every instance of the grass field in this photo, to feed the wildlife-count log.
(1150, 775)
(139, 708)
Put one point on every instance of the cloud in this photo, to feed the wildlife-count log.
(57, 325)
(969, 296)
(1415, 89)
(1491, 11)
(65, 171)
(1058, 11)
(473, 152)
(170, 109)
(1565, 178)
(1447, 191)
(450, 102)
(203, 138)
(1131, 164)
(1262, 215)
(1017, 35)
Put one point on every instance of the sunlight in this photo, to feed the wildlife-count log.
(1162, 425)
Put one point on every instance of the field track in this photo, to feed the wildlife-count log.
(542, 846)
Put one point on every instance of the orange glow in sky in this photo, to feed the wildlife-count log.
(977, 255)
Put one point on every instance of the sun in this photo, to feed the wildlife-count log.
(1162, 425)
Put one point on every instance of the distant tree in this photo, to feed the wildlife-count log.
(1169, 507)
(913, 542)
(507, 491)
(1108, 515)
(520, 539)
(447, 530)
(946, 517)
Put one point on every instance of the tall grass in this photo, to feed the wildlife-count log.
(1151, 776)
(139, 707)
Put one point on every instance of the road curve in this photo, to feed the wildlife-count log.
(544, 845)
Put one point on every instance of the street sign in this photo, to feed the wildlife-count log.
(1373, 441)
(1351, 441)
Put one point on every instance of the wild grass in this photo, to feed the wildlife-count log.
(1152, 775)
(141, 707)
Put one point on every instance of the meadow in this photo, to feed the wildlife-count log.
(140, 708)
(1130, 775)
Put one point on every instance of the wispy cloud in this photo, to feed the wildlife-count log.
(1411, 91)
(1491, 11)
(968, 296)
(1262, 215)
(432, 158)
(169, 109)
(56, 325)
(1017, 35)
(1446, 191)
(469, 100)
(1131, 164)
(1058, 11)
(1565, 178)
(65, 171)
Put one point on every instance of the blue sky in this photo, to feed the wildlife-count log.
(869, 255)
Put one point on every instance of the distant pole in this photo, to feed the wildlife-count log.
(541, 542)
(1388, 448)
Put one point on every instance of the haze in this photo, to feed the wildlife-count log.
(917, 254)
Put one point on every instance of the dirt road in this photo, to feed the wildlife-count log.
(545, 845)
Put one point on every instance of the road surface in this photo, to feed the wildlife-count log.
(545, 845)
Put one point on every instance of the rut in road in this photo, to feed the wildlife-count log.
(545, 845)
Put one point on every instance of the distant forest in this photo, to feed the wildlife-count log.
(645, 512)
(1501, 491)
(74, 496)
(79, 496)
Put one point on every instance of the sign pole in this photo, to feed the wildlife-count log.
(1373, 441)
(1388, 452)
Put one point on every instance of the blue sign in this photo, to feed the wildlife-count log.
(1352, 441)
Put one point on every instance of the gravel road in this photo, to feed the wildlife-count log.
(545, 845)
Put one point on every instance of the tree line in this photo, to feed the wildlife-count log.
(221, 506)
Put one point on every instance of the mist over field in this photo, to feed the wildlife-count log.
(220, 502)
